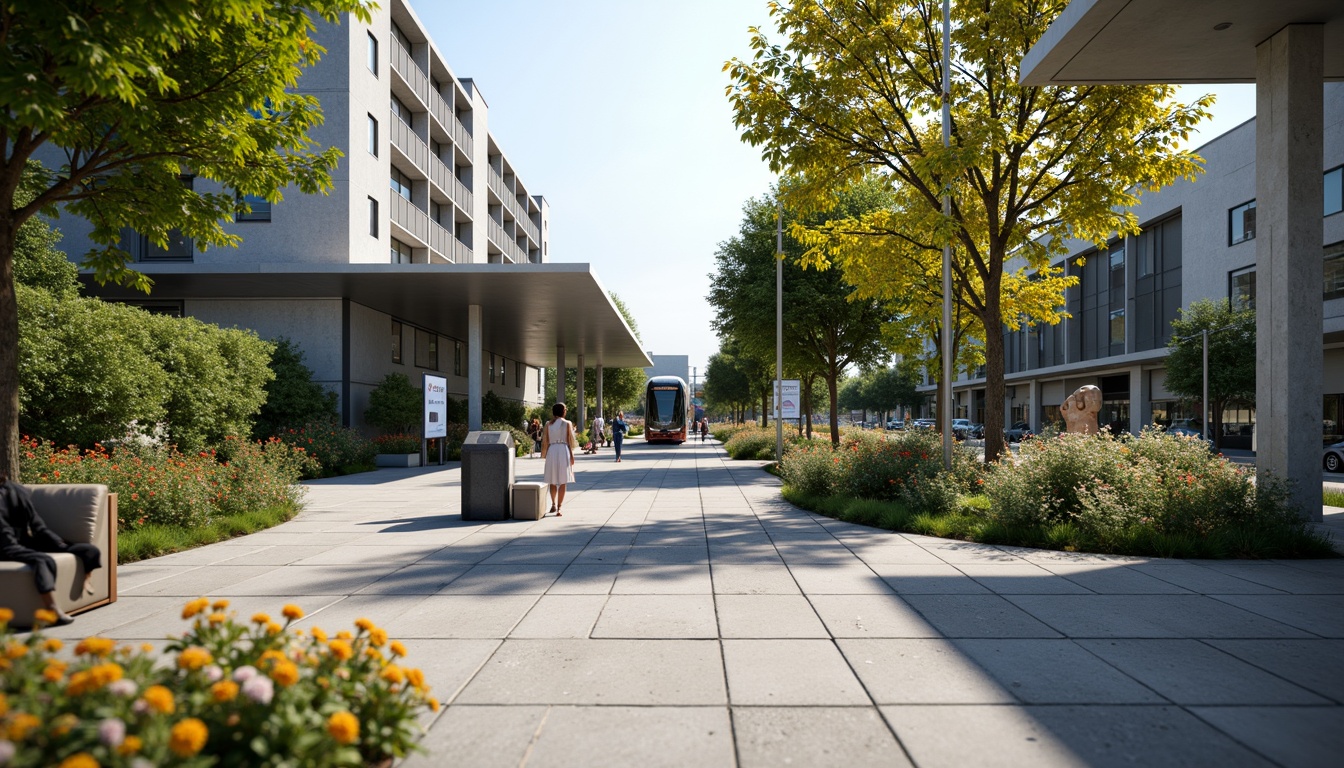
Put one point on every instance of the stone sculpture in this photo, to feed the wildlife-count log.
(1080, 410)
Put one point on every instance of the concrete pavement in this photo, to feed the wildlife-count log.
(681, 613)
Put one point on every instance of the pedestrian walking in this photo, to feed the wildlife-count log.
(618, 430)
(599, 432)
(557, 449)
(704, 429)
(534, 431)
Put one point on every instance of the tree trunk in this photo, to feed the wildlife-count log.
(832, 374)
(992, 320)
(9, 355)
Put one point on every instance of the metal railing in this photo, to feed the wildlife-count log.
(447, 119)
(496, 182)
(411, 145)
(405, 66)
(441, 241)
(410, 218)
(505, 243)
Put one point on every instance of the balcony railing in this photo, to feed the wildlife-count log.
(410, 145)
(505, 243)
(404, 65)
(438, 107)
(441, 241)
(411, 219)
(462, 195)
(443, 178)
(496, 182)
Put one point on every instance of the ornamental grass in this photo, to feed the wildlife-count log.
(232, 693)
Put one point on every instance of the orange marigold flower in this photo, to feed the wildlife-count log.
(319, 634)
(292, 612)
(416, 677)
(397, 648)
(393, 674)
(195, 606)
(364, 624)
(20, 725)
(54, 671)
(129, 746)
(344, 635)
(194, 658)
(219, 605)
(224, 690)
(52, 645)
(14, 650)
(343, 727)
(217, 618)
(95, 646)
(340, 649)
(79, 760)
(285, 673)
(378, 637)
(261, 618)
(188, 737)
(43, 617)
(159, 699)
(6, 615)
(433, 704)
(273, 629)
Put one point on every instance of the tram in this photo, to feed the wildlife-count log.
(667, 403)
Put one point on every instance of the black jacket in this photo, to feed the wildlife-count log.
(20, 525)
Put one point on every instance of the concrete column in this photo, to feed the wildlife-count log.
(1033, 405)
(1140, 396)
(474, 372)
(576, 413)
(600, 410)
(559, 375)
(1289, 155)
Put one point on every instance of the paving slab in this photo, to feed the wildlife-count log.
(1149, 616)
(1189, 672)
(978, 616)
(919, 671)
(855, 737)
(871, 616)
(657, 616)
(764, 578)
(1309, 737)
(629, 736)
(561, 616)
(790, 672)
(1317, 665)
(768, 616)
(484, 737)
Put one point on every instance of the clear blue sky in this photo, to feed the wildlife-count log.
(614, 110)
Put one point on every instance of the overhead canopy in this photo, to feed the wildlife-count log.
(1172, 41)
(526, 309)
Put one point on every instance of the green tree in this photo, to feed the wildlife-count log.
(1231, 358)
(86, 369)
(216, 379)
(855, 89)
(621, 387)
(395, 406)
(292, 397)
(137, 95)
(727, 387)
(825, 328)
(37, 262)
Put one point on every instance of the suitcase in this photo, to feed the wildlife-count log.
(529, 501)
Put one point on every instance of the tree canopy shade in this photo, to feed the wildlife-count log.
(137, 94)
(825, 330)
(1231, 358)
(855, 89)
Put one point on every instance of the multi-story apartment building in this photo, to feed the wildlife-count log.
(427, 219)
(1197, 241)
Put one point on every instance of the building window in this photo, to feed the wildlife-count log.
(1241, 223)
(1334, 271)
(518, 375)
(1334, 190)
(492, 367)
(401, 111)
(1241, 288)
(373, 54)
(257, 207)
(401, 252)
(541, 382)
(373, 135)
(373, 217)
(457, 358)
(401, 184)
(502, 368)
(396, 342)
(426, 350)
(1118, 328)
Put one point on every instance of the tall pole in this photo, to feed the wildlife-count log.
(945, 407)
(779, 325)
(1204, 403)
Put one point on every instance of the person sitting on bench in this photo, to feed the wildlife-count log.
(25, 538)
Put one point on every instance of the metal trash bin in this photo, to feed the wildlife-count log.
(487, 475)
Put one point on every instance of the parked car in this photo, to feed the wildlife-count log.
(924, 424)
(961, 428)
(896, 424)
(1334, 457)
(977, 432)
(1018, 432)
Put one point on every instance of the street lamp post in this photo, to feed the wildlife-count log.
(945, 407)
(779, 328)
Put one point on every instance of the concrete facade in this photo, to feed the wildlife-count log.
(670, 365)
(1197, 220)
(421, 181)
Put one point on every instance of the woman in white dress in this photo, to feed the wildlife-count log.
(558, 445)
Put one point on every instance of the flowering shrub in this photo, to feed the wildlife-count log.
(751, 443)
(399, 443)
(902, 466)
(522, 442)
(336, 448)
(234, 694)
(163, 486)
(1108, 485)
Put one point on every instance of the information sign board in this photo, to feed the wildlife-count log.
(436, 406)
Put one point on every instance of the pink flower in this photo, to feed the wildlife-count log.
(244, 673)
(123, 687)
(213, 673)
(111, 732)
(259, 689)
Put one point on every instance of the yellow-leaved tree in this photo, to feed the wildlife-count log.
(855, 88)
